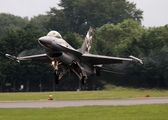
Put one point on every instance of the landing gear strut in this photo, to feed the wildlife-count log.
(55, 65)
(56, 77)
(83, 80)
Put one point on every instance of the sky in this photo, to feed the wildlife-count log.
(155, 11)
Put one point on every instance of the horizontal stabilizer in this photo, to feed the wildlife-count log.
(108, 70)
(12, 57)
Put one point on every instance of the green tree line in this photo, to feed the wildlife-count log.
(118, 32)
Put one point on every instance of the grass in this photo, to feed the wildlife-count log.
(116, 92)
(133, 112)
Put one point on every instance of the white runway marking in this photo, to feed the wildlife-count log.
(66, 103)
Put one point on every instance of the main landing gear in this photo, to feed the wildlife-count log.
(75, 67)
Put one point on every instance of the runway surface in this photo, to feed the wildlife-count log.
(75, 103)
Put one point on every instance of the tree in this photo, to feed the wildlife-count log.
(73, 39)
(78, 15)
(119, 40)
(58, 21)
(26, 73)
(114, 40)
(9, 21)
(40, 21)
(154, 46)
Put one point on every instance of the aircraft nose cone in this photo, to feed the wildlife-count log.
(45, 41)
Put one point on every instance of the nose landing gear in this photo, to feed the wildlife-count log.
(56, 75)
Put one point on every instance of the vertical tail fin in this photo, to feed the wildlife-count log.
(86, 46)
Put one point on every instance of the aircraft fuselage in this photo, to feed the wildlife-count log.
(58, 53)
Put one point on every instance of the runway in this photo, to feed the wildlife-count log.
(76, 103)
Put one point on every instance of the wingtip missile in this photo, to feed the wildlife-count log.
(12, 57)
(136, 59)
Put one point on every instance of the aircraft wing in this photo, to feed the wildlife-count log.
(100, 59)
(35, 58)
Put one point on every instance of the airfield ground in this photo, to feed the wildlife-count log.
(133, 112)
(117, 92)
(108, 112)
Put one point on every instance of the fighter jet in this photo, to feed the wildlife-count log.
(64, 58)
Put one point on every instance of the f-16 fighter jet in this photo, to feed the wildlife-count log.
(64, 58)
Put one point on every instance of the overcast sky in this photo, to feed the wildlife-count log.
(155, 11)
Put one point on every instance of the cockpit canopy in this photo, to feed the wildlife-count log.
(54, 34)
